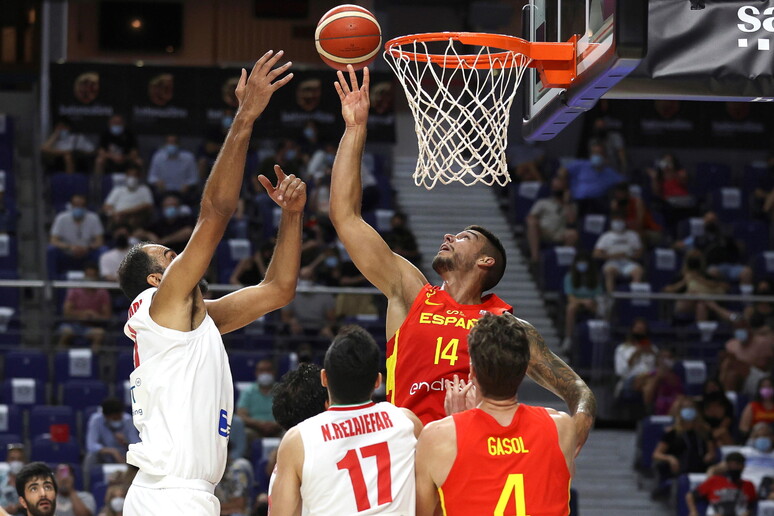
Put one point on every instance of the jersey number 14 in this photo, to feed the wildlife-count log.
(351, 462)
(449, 352)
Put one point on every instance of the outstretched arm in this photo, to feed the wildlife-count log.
(550, 372)
(390, 273)
(220, 196)
(278, 287)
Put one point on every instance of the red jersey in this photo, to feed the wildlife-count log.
(722, 494)
(761, 413)
(430, 346)
(517, 469)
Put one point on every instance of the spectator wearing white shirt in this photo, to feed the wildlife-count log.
(635, 358)
(111, 259)
(66, 149)
(620, 248)
(130, 203)
(76, 235)
(174, 169)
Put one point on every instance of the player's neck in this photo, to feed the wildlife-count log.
(501, 410)
(465, 290)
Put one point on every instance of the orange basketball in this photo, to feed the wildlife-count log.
(348, 34)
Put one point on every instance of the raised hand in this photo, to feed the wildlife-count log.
(290, 192)
(355, 100)
(253, 93)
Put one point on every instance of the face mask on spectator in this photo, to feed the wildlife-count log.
(265, 379)
(766, 392)
(170, 212)
(226, 121)
(618, 226)
(762, 444)
(735, 475)
(309, 133)
(116, 130)
(64, 133)
(291, 154)
(331, 261)
(117, 504)
(582, 266)
(597, 160)
(668, 363)
(740, 334)
(688, 413)
(665, 163)
(15, 466)
(132, 183)
(171, 149)
(78, 212)
(115, 425)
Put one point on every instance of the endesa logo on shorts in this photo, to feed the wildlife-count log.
(754, 21)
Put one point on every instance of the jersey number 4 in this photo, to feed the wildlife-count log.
(351, 462)
(514, 486)
(449, 351)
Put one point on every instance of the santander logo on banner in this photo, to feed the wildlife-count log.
(753, 20)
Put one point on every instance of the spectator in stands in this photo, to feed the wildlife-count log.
(747, 358)
(210, 147)
(686, 447)
(15, 458)
(669, 183)
(174, 228)
(77, 233)
(117, 148)
(760, 409)
(233, 490)
(606, 130)
(550, 220)
(37, 489)
(251, 270)
(662, 387)
(86, 311)
(402, 240)
(726, 494)
(109, 433)
(173, 169)
(114, 500)
(261, 207)
(719, 415)
(637, 215)
(310, 313)
(320, 163)
(694, 280)
(635, 360)
(762, 311)
(254, 405)
(69, 501)
(590, 180)
(582, 288)
(131, 203)
(620, 248)
(66, 149)
(760, 461)
(111, 259)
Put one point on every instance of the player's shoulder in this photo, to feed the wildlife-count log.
(561, 419)
(439, 429)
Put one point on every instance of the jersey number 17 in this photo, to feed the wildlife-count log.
(351, 463)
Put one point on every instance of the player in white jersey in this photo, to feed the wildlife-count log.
(357, 457)
(181, 387)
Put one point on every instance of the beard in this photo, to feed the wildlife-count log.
(50, 510)
(443, 264)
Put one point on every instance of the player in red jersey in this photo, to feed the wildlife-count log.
(426, 326)
(502, 457)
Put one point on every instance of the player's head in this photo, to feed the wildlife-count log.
(351, 366)
(144, 266)
(474, 248)
(36, 487)
(499, 354)
(298, 396)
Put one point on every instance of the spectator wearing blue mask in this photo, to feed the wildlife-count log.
(173, 227)
(590, 180)
(117, 148)
(174, 169)
(77, 235)
(109, 433)
(582, 287)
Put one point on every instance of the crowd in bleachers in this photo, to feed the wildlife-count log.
(601, 227)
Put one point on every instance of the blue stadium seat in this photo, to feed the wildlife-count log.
(64, 186)
(693, 374)
(80, 394)
(649, 432)
(45, 450)
(76, 364)
(730, 203)
(43, 416)
(629, 309)
(692, 226)
(24, 392)
(9, 254)
(591, 345)
(228, 255)
(523, 196)
(554, 264)
(710, 177)
(243, 365)
(685, 483)
(26, 364)
(6, 439)
(592, 226)
(754, 234)
(98, 491)
(763, 264)
(10, 420)
(124, 364)
(757, 176)
(663, 267)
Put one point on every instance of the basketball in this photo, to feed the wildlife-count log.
(348, 34)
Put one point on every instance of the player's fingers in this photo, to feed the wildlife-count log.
(284, 187)
(366, 81)
(337, 86)
(298, 189)
(280, 174)
(352, 77)
(265, 183)
(280, 83)
(343, 83)
(259, 64)
(269, 60)
(277, 71)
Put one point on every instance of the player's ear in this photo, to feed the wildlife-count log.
(154, 279)
(378, 381)
(486, 261)
(23, 502)
(323, 378)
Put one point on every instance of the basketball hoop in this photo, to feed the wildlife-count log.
(461, 102)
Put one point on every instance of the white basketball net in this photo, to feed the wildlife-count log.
(461, 126)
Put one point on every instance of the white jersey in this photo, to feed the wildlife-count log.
(358, 460)
(182, 397)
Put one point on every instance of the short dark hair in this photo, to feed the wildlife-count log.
(499, 353)
(736, 457)
(134, 270)
(112, 406)
(495, 249)
(32, 471)
(352, 365)
(298, 396)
